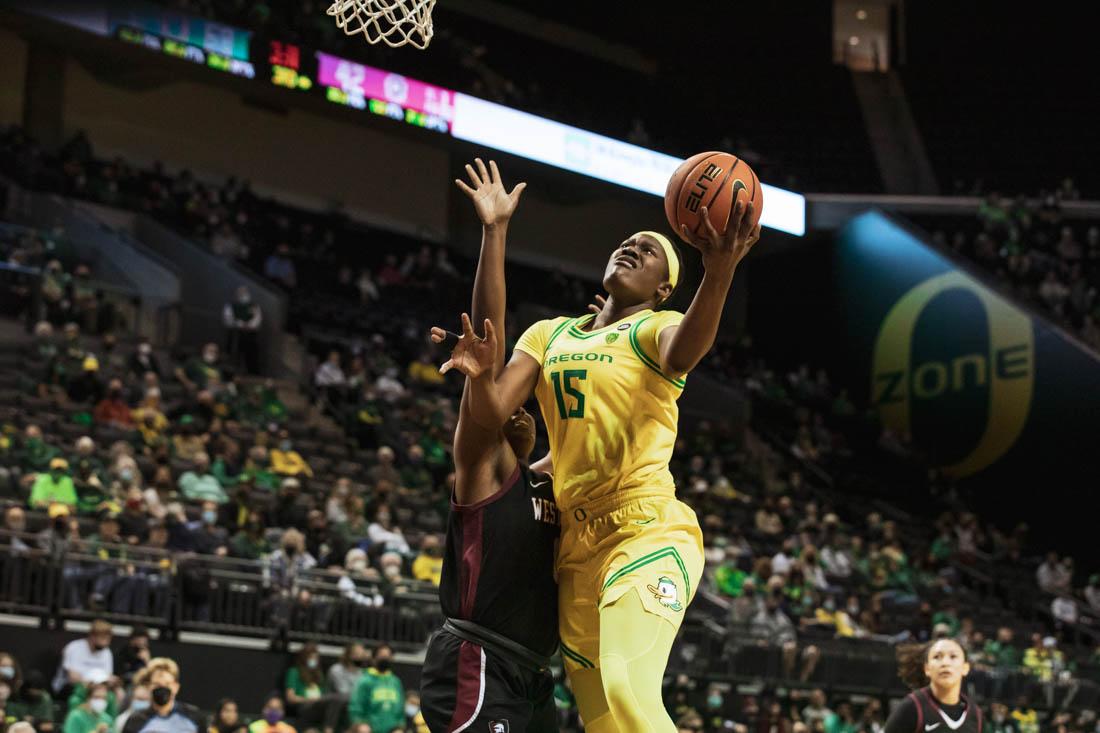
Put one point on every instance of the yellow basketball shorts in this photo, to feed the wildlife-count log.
(631, 540)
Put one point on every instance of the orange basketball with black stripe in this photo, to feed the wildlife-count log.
(714, 180)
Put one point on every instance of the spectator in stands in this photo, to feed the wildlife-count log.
(29, 701)
(207, 538)
(329, 379)
(384, 534)
(817, 711)
(767, 520)
(307, 696)
(424, 371)
(368, 290)
(428, 565)
(54, 487)
(188, 441)
(1051, 575)
(91, 716)
(280, 267)
(771, 627)
(250, 542)
(285, 461)
(198, 484)
(414, 719)
(1064, 610)
(344, 674)
(836, 620)
(384, 470)
(15, 521)
(379, 696)
(336, 506)
(112, 410)
(135, 655)
(272, 718)
(166, 713)
(141, 697)
(86, 387)
(999, 719)
(88, 660)
(226, 718)
(35, 454)
(143, 360)
(199, 373)
(243, 319)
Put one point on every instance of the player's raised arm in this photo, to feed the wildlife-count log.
(682, 347)
(494, 206)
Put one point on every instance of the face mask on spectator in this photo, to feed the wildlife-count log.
(290, 550)
(145, 349)
(161, 695)
(273, 715)
(714, 701)
(411, 710)
(285, 445)
(98, 705)
(126, 475)
(312, 662)
(383, 664)
(210, 356)
(829, 604)
(137, 705)
(7, 672)
(210, 516)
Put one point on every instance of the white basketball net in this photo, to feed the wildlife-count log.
(393, 22)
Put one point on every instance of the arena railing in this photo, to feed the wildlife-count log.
(57, 578)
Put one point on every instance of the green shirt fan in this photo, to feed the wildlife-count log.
(393, 22)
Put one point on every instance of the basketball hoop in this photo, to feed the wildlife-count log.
(393, 22)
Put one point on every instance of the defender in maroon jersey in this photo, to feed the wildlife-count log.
(487, 669)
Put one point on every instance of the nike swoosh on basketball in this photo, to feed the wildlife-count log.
(932, 727)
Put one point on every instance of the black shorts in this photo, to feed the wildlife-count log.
(466, 687)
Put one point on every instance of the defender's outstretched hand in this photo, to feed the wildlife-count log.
(471, 355)
(492, 203)
(597, 307)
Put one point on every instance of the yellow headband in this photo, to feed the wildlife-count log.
(670, 255)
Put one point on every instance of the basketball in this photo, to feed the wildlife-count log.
(713, 180)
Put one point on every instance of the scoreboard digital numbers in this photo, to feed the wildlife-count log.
(286, 66)
(385, 93)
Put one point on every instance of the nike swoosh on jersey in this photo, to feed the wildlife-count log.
(647, 521)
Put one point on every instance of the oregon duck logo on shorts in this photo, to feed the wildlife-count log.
(666, 593)
(612, 338)
(1004, 369)
(498, 726)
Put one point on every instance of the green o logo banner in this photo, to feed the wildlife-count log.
(1006, 369)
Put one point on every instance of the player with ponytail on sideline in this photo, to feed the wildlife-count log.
(935, 672)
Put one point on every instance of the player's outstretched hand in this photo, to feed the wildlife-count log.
(492, 203)
(725, 250)
(471, 355)
(597, 307)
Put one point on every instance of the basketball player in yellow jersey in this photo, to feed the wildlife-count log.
(631, 555)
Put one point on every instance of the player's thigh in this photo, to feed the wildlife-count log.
(578, 617)
(439, 681)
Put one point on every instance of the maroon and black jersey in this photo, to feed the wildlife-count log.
(498, 570)
(921, 712)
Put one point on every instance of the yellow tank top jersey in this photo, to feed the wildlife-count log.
(609, 410)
